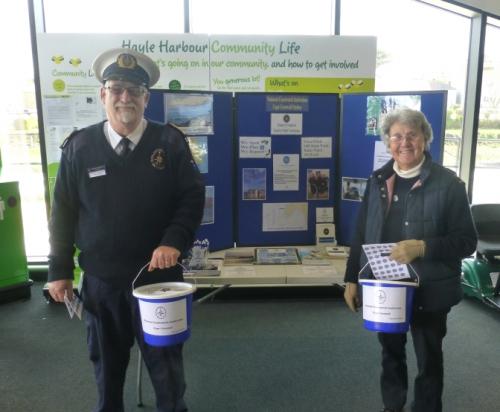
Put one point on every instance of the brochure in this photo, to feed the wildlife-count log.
(313, 256)
(212, 267)
(276, 256)
(237, 257)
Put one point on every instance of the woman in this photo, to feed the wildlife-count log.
(423, 208)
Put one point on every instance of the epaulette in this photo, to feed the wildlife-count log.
(66, 141)
(183, 133)
(176, 127)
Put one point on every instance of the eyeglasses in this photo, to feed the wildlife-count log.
(398, 138)
(134, 91)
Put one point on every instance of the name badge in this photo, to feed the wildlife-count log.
(97, 171)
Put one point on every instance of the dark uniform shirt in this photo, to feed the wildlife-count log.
(118, 210)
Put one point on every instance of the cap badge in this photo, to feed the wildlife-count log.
(126, 61)
(158, 159)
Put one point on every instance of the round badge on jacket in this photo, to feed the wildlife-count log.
(159, 159)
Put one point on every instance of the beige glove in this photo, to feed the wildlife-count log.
(407, 251)
(351, 296)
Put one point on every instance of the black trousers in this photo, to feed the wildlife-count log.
(428, 330)
(113, 323)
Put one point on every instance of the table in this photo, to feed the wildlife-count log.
(269, 275)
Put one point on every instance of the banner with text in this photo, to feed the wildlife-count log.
(309, 64)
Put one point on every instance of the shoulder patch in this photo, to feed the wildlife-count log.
(158, 159)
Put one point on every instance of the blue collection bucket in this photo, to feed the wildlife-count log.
(387, 305)
(165, 310)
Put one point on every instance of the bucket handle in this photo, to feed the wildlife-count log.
(147, 264)
(409, 264)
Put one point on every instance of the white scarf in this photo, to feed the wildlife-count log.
(408, 174)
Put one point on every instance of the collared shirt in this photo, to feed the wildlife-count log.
(134, 137)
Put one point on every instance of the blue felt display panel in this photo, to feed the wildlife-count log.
(357, 148)
(253, 118)
(220, 165)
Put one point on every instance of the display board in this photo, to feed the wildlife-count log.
(206, 119)
(361, 150)
(285, 151)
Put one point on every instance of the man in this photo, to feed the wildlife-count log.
(127, 193)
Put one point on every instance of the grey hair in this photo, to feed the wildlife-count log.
(413, 118)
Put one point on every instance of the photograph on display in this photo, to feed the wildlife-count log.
(353, 188)
(254, 184)
(190, 112)
(199, 150)
(208, 211)
(378, 106)
(318, 184)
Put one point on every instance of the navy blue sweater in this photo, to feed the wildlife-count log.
(437, 211)
(117, 211)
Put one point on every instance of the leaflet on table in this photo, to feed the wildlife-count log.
(239, 271)
(382, 266)
(336, 252)
(321, 271)
(276, 256)
(312, 257)
(211, 268)
(236, 257)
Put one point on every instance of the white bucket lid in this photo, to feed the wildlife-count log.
(164, 290)
(381, 282)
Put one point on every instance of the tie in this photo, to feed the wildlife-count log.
(123, 147)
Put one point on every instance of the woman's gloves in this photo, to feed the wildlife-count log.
(403, 252)
(407, 251)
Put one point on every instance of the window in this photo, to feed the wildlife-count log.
(19, 139)
(110, 16)
(487, 170)
(420, 47)
(261, 17)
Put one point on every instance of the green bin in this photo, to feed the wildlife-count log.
(14, 275)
